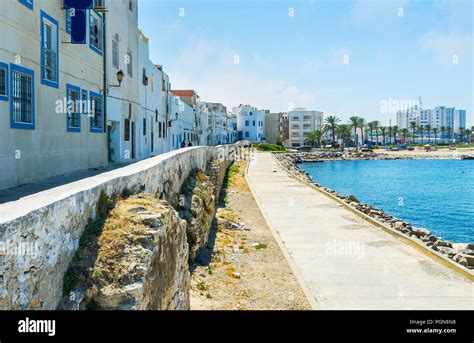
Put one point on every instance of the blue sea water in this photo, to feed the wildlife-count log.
(434, 194)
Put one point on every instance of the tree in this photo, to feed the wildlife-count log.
(389, 129)
(330, 125)
(383, 131)
(450, 132)
(404, 133)
(421, 128)
(461, 133)
(371, 128)
(413, 129)
(344, 132)
(361, 124)
(395, 132)
(313, 137)
(354, 120)
(468, 133)
(435, 132)
(443, 130)
(377, 125)
(428, 130)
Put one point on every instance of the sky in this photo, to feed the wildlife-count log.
(366, 58)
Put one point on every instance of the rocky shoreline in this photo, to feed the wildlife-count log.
(461, 253)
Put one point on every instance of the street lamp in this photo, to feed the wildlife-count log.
(120, 76)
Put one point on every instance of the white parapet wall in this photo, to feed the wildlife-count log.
(40, 233)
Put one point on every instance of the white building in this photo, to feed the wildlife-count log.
(123, 103)
(185, 118)
(440, 116)
(302, 121)
(40, 74)
(250, 123)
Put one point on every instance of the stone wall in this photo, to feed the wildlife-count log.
(49, 224)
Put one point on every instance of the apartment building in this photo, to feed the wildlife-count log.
(152, 123)
(302, 121)
(51, 93)
(123, 101)
(272, 127)
(250, 123)
(440, 116)
(185, 119)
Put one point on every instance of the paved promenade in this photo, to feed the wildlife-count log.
(346, 262)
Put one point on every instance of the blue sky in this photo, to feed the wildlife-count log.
(280, 54)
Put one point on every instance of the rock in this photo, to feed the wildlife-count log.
(445, 250)
(353, 198)
(353, 203)
(432, 238)
(420, 232)
(465, 260)
(398, 224)
(458, 247)
(443, 243)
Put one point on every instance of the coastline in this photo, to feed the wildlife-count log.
(460, 255)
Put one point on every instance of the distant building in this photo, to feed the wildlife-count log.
(301, 122)
(250, 123)
(440, 116)
(185, 118)
(272, 127)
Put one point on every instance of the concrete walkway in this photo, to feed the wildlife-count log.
(346, 262)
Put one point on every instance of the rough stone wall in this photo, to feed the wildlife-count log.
(50, 223)
(198, 207)
(142, 262)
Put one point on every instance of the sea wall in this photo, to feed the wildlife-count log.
(41, 233)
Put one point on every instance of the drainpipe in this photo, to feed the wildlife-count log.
(104, 62)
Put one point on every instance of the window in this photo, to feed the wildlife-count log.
(253, 123)
(126, 130)
(159, 129)
(129, 63)
(246, 134)
(68, 20)
(95, 30)
(115, 51)
(22, 104)
(73, 119)
(130, 5)
(27, 3)
(49, 51)
(97, 114)
(246, 123)
(164, 129)
(4, 81)
(144, 126)
(85, 106)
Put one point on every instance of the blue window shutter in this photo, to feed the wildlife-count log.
(78, 27)
(79, 4)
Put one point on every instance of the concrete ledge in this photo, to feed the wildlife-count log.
(461, 270)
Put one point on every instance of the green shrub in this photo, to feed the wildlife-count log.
(269, 147)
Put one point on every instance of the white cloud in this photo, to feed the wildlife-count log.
(448, 45)
(209, 68)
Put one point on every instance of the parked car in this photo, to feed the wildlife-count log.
(304, 148)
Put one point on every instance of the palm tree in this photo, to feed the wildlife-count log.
(413, 129)
(395, 132)
(421, 128)
(377, 125)
(371, 128)
(404, 133)
(443, 130)
(313, 137)
(389, 129)
(450, 132)
(435, 131)
(383, 131)
(428, 130)
(344, 132)
(361, 125)
(468, 133)
(461, 133)
(330, 125)
(354, 120)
